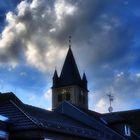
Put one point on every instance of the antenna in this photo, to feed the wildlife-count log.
(70, 41)
(111, 99)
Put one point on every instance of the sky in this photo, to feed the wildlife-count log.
(105, 42)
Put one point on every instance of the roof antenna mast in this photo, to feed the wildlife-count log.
(111, 99)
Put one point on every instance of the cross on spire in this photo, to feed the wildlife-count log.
(69, 41)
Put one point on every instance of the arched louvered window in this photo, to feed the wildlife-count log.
(60, 97)
(67, 96)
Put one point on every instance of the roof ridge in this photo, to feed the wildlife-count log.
(36, 107)
(125, 111)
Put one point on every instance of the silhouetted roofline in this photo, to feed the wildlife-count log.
(125, 111)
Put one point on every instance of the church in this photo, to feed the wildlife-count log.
(70, 118)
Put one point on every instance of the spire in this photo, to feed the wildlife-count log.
(55, 76)
(84, 81)
(84, 77)
(70, 73)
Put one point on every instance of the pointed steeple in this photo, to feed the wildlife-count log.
(70, 73)
(84, 77)
(84, 81)
(55, 78)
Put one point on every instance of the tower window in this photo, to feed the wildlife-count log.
(59, 97)
(67, 96)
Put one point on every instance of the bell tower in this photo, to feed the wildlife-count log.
(69, 85)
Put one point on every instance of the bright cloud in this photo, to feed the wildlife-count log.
(101, 106)
(48, 95)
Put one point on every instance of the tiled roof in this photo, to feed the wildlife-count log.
(58, 122)
(3, 125)
(11, 108)
(132, 117)
(113, 118)
(66, 119)
(44, 116)
(101, 128)
(24, 116)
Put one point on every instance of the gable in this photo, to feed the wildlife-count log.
(100, 129)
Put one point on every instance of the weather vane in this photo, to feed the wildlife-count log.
(111, 99)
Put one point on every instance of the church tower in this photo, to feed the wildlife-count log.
(69, 86)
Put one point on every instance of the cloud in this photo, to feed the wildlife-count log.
(104, 41)
(125, 89)
(40, 29)
(27, 35)
(23, 73)
(48, 95)
(101, 105)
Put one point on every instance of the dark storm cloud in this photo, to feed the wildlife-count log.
(89, 23)
(81, 21)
